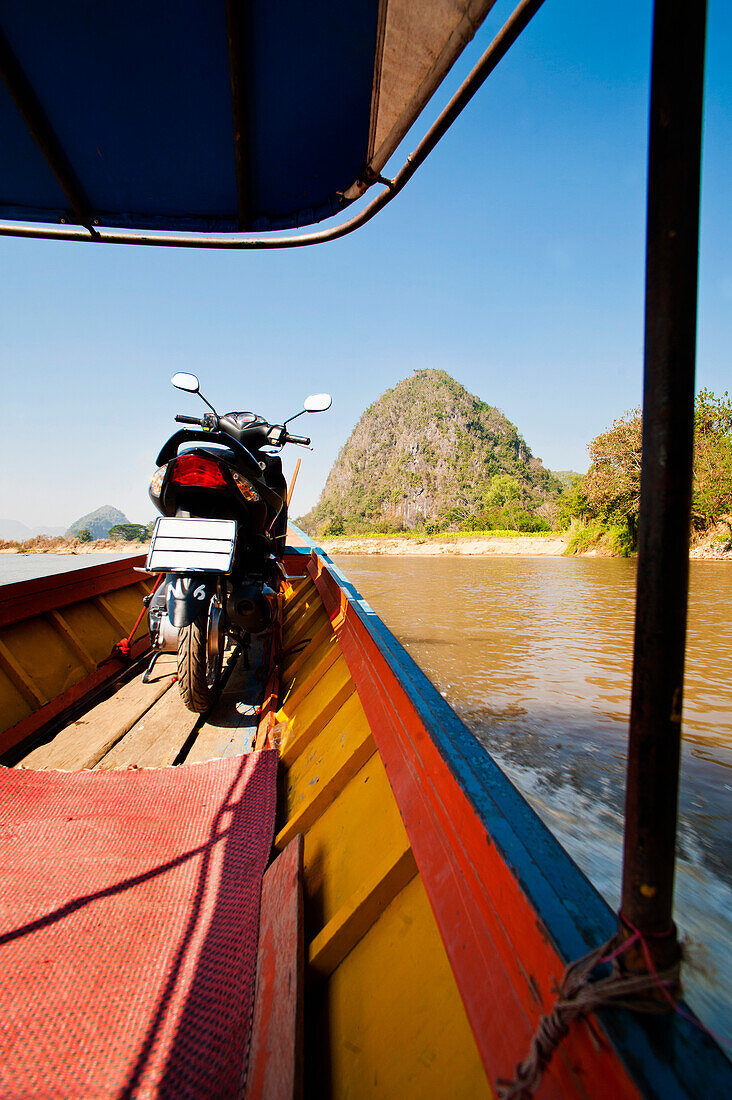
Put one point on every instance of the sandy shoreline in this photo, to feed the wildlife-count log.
(545, 546)
(99, 546)
(524, 546)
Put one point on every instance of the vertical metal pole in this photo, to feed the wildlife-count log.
(668, 428)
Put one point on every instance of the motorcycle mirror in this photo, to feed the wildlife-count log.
(317, 402)
(187, 382)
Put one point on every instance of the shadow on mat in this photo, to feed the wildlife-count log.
(202, 1029)
(229, 946)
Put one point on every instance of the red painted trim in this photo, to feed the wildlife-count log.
(15, 734)
(25, 599)
(296, 565)
(275, 1070)
(505, 966)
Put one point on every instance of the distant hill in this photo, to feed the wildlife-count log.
(98, 523)
(426, 450)
(18, 532)
(566, 478)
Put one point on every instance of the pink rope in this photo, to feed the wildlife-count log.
(580, 993)
(624, 946)
(674, 1004)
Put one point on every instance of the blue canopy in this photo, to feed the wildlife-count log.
(211, 116)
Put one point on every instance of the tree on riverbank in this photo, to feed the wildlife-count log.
(602, 507)
(612, 483)
(128, 532)
(712, 499)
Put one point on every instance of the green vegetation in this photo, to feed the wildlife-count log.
(424, 536)
(99, 529)
(712, 497)
(566, 478)
(128, 532)
(601, 509)
(609, 538)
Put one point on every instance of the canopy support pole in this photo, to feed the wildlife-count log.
(666, 479)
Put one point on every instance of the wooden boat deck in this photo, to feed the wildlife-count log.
(147, 725)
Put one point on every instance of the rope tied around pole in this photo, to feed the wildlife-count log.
(579, 994)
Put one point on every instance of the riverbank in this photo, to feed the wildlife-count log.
(552, 545)
(549, 545)
(713, 547)
(60, 546)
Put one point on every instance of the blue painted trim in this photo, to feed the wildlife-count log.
(669, 1057)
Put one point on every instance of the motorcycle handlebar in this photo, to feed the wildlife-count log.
(284, 437)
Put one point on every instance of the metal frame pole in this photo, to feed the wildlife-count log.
(496, 51)
(674, 159)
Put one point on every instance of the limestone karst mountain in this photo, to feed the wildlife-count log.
(98, 523)
(429, 452)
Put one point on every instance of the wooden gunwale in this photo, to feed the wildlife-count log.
(46, 603)
(525, 910)
(26, 599)
(13, 736)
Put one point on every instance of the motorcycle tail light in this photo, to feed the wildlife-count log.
(196, 472)
(156, 484)
(246, 488)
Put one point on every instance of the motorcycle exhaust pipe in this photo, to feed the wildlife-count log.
(163, 635)
(252, 607)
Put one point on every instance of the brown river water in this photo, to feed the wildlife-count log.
(535, 656)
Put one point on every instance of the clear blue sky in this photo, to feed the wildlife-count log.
(513, 260)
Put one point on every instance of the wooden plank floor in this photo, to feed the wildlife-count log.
(147, 725)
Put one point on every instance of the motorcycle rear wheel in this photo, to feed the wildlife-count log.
(200, 657)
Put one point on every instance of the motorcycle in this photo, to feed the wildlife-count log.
(217, 546)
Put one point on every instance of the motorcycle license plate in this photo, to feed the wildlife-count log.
(192, 546)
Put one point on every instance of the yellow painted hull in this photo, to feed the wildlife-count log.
(384, 1008)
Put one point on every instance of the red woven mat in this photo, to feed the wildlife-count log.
(129, 911)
